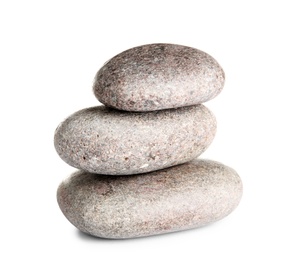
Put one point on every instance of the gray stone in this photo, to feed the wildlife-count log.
(178, 198)
(108, 141)
(158, 76)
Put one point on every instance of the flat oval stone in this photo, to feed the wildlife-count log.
(158, 76)
(108, 141)
(178, 198)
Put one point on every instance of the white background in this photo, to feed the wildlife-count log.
(49, 54)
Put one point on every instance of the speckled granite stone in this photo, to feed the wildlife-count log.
(108, 141)
(158, 76)
(178, 198)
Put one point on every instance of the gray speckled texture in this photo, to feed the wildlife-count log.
(108, 141)
(158, 76)
(177, 198)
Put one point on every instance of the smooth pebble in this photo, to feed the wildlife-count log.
(158, 76)
(107, 141)
(178, 198)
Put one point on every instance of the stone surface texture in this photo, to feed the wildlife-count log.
(158, 76)
(177, 198)
(108, 141)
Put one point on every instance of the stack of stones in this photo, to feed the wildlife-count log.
(136, 154)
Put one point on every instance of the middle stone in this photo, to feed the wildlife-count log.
(108, 141)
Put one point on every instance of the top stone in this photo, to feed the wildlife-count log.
(158, 76)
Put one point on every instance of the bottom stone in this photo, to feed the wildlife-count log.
(177, 198)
